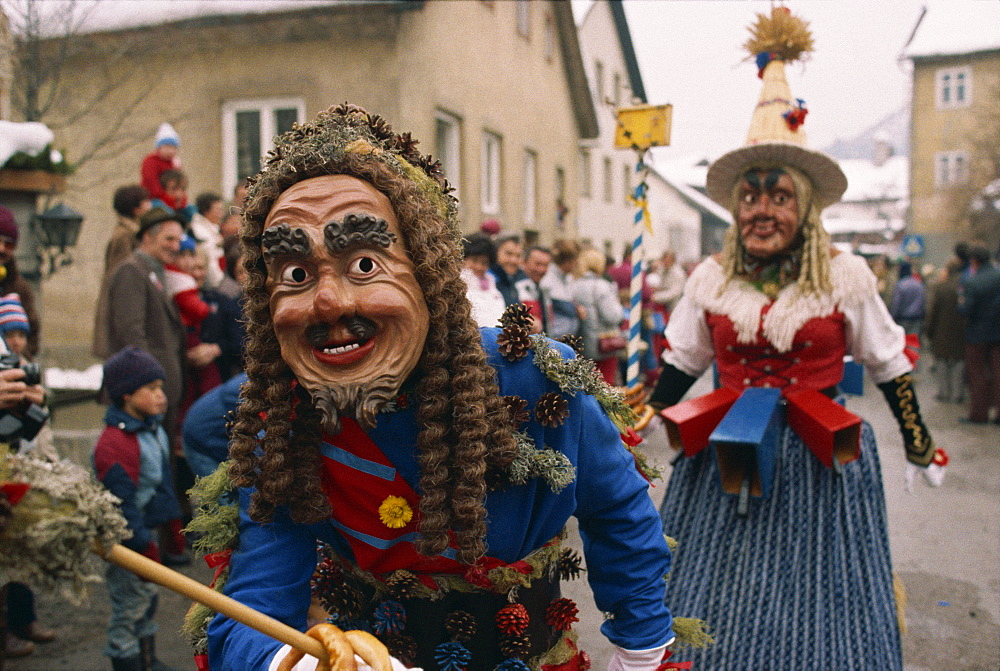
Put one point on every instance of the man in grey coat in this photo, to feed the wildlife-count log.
(141, 313)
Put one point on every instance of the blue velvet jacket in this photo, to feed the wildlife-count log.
(626, 553)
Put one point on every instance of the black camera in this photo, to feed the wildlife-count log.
(24, 424)
(32, 371)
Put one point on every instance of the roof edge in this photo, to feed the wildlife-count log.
(569, 44)
(987, 51)
(628, 50)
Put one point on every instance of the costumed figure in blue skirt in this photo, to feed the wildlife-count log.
(436, 463)
(784, 545)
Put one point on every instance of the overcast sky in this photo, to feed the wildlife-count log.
(690, 54)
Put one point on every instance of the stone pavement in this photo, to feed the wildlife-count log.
(945, 544)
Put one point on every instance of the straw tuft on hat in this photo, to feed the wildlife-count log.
(776, 136)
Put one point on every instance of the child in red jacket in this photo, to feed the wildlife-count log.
(163, 158)
(132, 459)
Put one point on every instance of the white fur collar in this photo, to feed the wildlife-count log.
(743, 303)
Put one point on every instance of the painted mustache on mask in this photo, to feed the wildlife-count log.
(360, 327)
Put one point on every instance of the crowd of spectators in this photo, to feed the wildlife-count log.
(573, 289)
(953, 311)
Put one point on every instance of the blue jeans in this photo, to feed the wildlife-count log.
(133, 605)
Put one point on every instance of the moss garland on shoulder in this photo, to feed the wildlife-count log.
(217, 524)
(576, 375)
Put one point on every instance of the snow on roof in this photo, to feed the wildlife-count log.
(107, 15)
(867, 181)
(961, 27)
(835, 225)
(686, 174)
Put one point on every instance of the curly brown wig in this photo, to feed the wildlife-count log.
(462, 451)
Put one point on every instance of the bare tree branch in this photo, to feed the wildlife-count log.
(49, 39)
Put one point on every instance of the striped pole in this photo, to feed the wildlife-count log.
(640, 221)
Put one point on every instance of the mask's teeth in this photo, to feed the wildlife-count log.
(341, 349)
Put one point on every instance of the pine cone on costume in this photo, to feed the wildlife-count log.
(512, 619)
(342, 600)
(515, 646)
(390, 618)
(574, 341)
(402, 646)
(561, 614)
(513, 342)
(461, 625)
(452, 656)
(551, 409)
(327, 579)
(402, 584)
(516, 315)
(512, 664)
(517, 408)
(570, 564)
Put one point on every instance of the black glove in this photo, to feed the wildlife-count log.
(670, 387)
(902, 398)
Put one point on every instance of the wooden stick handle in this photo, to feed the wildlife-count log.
(152, 571)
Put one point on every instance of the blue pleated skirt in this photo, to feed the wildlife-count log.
(804, 581)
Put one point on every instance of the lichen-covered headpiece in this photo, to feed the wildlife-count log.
(330, 143)
(458, 408)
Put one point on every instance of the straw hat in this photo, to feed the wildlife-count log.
(776, 136)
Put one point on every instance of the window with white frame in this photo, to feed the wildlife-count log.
(248, 130)
(950, 168)
(954, 87)
(523, 17)
(490, 174)
(585, 173)
(530, 189)
(608, 187)
(448, 145)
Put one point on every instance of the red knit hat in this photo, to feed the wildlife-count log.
(8, 227)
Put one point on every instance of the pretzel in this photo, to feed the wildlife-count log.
(340, 653)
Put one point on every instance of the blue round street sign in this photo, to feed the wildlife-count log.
(913, 245)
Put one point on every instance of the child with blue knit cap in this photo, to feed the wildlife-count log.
(132, 459)
(14, 326)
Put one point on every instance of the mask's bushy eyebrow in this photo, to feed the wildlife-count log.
(752, 178)
(357, 230)
(772, 178)
(283, 240)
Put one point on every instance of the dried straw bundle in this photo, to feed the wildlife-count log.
(782, 34)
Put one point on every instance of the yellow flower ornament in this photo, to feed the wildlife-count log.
(395, 512)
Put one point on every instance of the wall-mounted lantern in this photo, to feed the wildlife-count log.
(57, 230)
